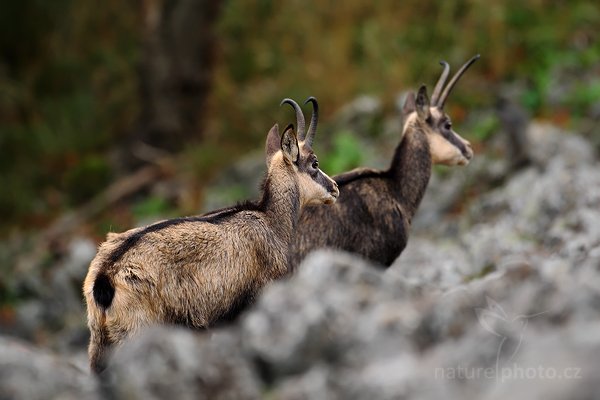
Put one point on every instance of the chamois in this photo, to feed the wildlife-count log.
(201, 270)
(373, 214)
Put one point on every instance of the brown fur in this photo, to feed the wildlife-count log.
(198, 271)
(373, 214)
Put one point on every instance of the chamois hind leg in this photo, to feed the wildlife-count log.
(99, 346)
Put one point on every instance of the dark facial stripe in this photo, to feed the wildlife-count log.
(453, 138)
(323, 181)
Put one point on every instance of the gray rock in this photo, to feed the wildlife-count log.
(408, 343)
(179, 364)
(322, 321)
(50, 304)
(27, 372)
(548, 142)
(317, 383)
(482, 304)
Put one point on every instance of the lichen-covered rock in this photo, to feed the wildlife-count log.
(498, 301)
(173, 363)
(50, 302)
(545, 214)
(315, 316)
(27, 372)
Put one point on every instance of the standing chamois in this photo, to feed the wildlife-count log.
(373, 214)
(198, 271)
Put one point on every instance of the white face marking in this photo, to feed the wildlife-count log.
(312, 192)
(316, 193)
(442, 151)
(436, 113)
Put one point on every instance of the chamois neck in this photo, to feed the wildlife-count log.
(281, 202)
(411, 167)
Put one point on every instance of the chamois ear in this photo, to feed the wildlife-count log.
(409, 104)
(272, 146)
(289, 145)
(422, 104)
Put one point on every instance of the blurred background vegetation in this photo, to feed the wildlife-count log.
(91, 93)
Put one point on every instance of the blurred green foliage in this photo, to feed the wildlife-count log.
(67, 91)
(484, 128)
(69, 84)
(150, 206)
(345, 154)
(582, 96)
(336, 51)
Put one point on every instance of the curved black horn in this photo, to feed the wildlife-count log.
(312, 128)
(299, 117)
(440, 83)
(453, 81)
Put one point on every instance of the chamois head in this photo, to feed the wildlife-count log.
(446, 146)
(287, 152)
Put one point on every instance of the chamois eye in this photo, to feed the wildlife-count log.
(448, 125)
(315, 164)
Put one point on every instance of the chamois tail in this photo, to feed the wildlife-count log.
(100, 342)
(104, 291)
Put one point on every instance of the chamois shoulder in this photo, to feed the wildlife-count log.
(358, 173)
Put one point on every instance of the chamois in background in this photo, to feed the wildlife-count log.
(373, 214)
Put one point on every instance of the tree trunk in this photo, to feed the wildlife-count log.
(175, 73)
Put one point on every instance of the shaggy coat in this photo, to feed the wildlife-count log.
(374, 212)
(199, 271)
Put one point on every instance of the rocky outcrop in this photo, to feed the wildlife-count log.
(27, 372)
(499, 300)
(340, 329)
(173, 363)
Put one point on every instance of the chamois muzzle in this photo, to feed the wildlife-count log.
(329, 186)
(467, 154)
(334, 192)
(466, 151)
